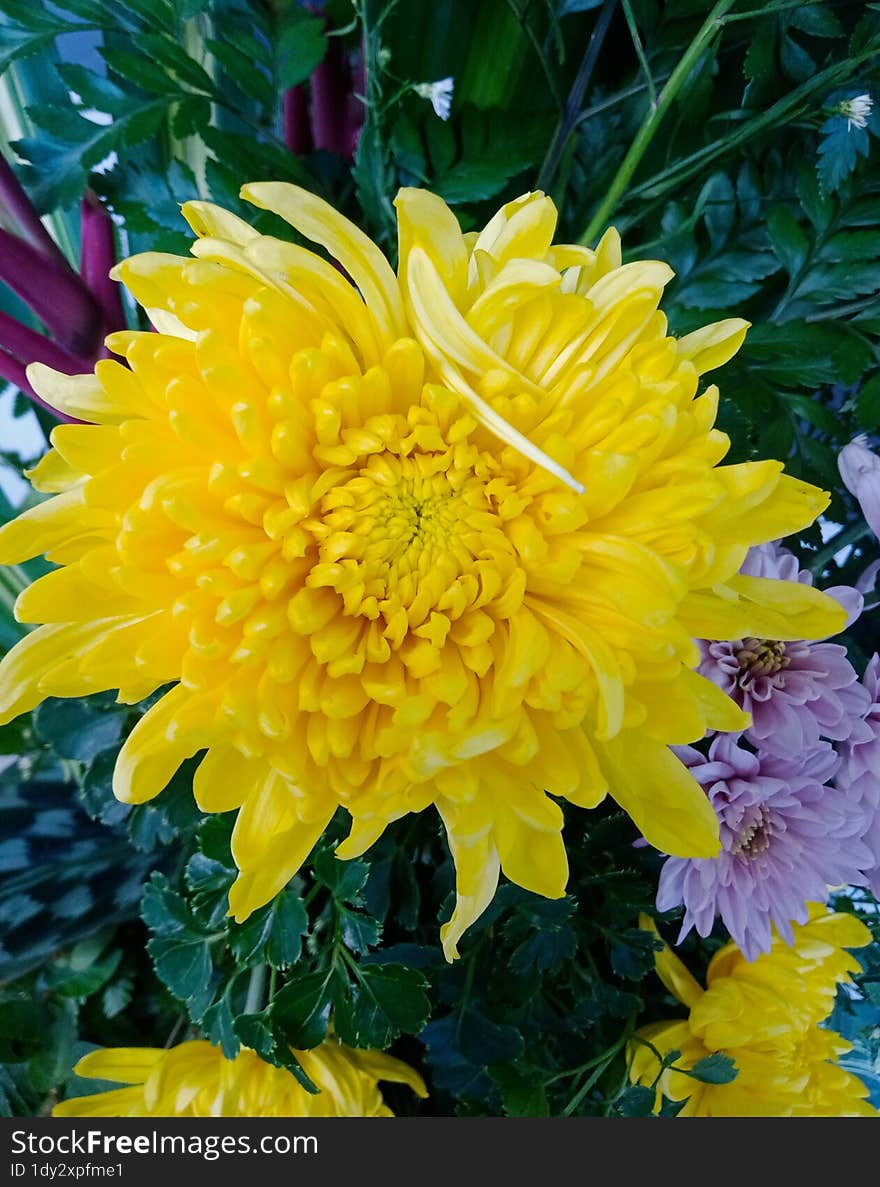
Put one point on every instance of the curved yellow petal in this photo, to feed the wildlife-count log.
(354, 250)
(713, 345)
(477, 868)
(664, 800)
(671, 971)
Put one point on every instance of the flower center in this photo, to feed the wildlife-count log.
(761, 657)
(754, 835)
(407, 535)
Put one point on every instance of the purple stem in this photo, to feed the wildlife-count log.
(57, 296)
(331, 84)
(97, 258)
(355, 110)
(295, 114)
(20, 345)
(15, 202)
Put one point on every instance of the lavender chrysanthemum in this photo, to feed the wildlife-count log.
(859, 775)
(785, 838)
(796, 692)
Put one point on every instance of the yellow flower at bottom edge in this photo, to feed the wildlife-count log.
(442, 540)
(195, 1079)
(766, 1015)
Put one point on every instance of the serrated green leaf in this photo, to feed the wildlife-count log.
(635, 1101)
(243, 72)
(839, 151)
(344, 879)
(302, 1009)
(218, 1023)
(273, 933)
(140, 69)
(359, 931)
(184, 965)
(174, 58)
(258, 1032)
(163, 910)
(381, 1002)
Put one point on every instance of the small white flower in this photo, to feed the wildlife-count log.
(857, 111)
(439, 94)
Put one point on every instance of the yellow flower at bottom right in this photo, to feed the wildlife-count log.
(766, 1015)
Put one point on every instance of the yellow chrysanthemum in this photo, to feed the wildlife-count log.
(766, 1015)
(196, 1080)
(445, 540)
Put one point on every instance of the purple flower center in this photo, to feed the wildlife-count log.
(755, 832)
(761, 657)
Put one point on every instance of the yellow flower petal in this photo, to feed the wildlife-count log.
(660, 794)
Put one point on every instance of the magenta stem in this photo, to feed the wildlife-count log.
(331, 84)
(97, 258)
(295, 116)
(57, 295)
(27, 224)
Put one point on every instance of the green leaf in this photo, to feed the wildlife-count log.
(717, 1068)
(485, 1042)
(790, 241)
(116, 997)
(243, 72)
(868, 405)
(184, 965)
(636, 1101)
(383, 1001)
(168, 54)
(163, 910)
(79, 976)
(218, 1022)
(344, 879)
(140, 69)
(21, 1026)
(302, 1009)
(301, 47)
(17, 43)
(79, 728)
(258, 1032)
(360, 932)
(817, 21)
(522, 1092)
(839, 151)
(273, 933)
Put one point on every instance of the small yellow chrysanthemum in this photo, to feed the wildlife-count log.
(443, 540)
(196, 1080)
(766, 1015)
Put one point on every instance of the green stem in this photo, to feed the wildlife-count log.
(601, 1063)
(256, 989)
(572, 114)
(640, 50)
(848, 536)
(782, 112)
(654, 118)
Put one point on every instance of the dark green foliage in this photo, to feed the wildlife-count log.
(763, 195)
